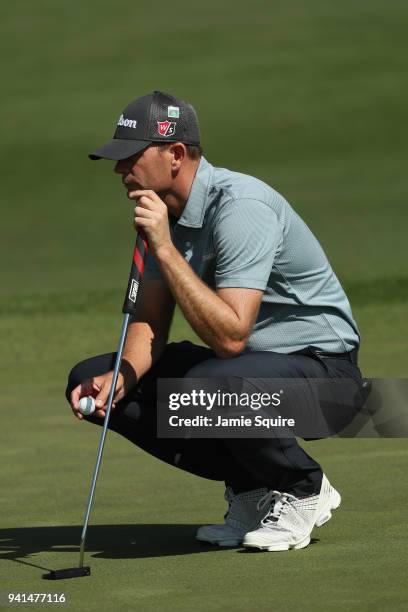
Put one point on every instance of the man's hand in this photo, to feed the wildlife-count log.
(98, 387)
(151, 215)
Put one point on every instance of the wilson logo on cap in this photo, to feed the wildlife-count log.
(132, 123)
(166, 128)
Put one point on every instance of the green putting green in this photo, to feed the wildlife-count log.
(307, 96)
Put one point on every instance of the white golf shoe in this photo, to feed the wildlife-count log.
(290, 520)
(242, 515)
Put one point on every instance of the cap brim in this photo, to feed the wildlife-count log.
(119, 148)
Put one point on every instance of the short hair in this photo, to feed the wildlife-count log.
(194, 152)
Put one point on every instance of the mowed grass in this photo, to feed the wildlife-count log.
(307, 96)
(141, 543)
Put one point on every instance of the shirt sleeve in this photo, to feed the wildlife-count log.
(247, 235)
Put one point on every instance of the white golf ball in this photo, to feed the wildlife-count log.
(87, 405)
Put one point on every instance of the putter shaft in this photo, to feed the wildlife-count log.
(103, 436)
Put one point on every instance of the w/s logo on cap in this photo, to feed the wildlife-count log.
(127, 122)
(166, 128)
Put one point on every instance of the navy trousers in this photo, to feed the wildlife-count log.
(244, 464)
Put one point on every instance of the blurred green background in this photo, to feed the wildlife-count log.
(308, 96)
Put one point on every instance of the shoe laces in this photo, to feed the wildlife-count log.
(279, 504)
(240, 503)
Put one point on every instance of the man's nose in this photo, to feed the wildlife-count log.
(120, 167)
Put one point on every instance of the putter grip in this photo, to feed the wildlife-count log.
(136, 273)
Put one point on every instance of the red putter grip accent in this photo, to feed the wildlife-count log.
(140, 252)
(139, 261)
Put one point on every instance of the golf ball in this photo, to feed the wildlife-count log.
(87, 405)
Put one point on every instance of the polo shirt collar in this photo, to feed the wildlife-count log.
(194, 210)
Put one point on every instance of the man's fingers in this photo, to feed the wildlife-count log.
(143, 201)
(77, 414)
(85, 388)
(99, 413)
(99, 388)
(143, 212)
(142, 222)
(101, 399)
(102, 396)
(75, 397)
(95, 386)
(146, 195)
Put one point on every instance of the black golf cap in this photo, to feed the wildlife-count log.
(156, 117)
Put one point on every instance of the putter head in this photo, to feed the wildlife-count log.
(70, 572)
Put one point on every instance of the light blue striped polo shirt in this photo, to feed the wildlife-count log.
(237, 231)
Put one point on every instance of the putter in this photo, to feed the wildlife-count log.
(129, 308)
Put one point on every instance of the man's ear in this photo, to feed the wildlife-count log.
(179, 154)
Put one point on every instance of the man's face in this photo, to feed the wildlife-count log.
(149, 169)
